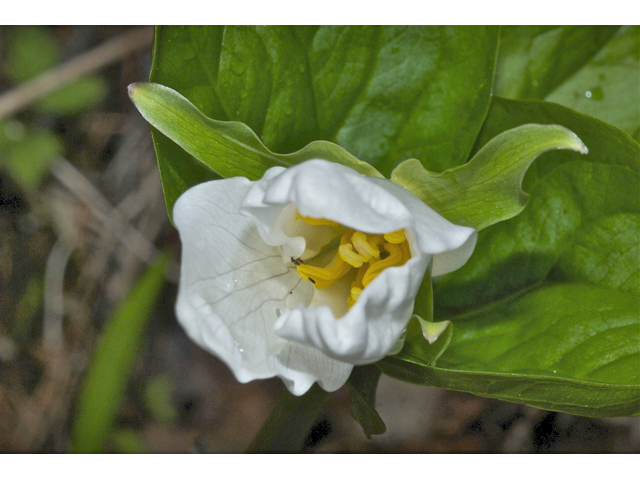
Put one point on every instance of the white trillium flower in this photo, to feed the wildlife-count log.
(308, 271)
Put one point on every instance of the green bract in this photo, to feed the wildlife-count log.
(546, 311)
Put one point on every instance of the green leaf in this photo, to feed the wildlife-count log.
(362, 385)
(569, 348)
(547, 393)
(534, 60)
(606, 251)
(519, 253)
(591, 69)
(607, 86)
(383, 93)
(227, 149)
(488, 189)
(568, 192)
(290, 422)
(108, 373)
(606, 144)
(426, 98)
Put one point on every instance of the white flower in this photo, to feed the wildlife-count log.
(293, 275)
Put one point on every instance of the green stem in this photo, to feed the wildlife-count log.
(289, 423)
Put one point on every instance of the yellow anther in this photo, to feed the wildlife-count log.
(393, 260)
(395, 237)
(367, 245)
(324, 277)
(317, 221)
(348, 255)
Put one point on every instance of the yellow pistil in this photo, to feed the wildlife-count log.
(357, 250)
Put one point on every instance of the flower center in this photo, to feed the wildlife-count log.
(368, 254)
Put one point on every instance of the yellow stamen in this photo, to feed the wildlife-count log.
(317, 221)
(367, 245)
(324, 277)
(395, 237)
(352, 258)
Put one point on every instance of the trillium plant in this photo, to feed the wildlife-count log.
(339, 222)
(308, 271)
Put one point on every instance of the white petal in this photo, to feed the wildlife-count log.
(322, 189)
(234, 286)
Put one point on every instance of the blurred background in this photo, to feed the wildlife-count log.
(91, 356)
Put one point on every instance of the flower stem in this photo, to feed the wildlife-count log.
(289, 423)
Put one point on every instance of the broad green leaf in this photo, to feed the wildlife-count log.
(488, 189)
(108, 373)
(607, 252)
(289, 423)
(362, 385)
(427, 95)
(519, 253)
(534, 60)
(568, 192)
(227, 149)
(607, 86)
(383, 93)
(569, 348)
